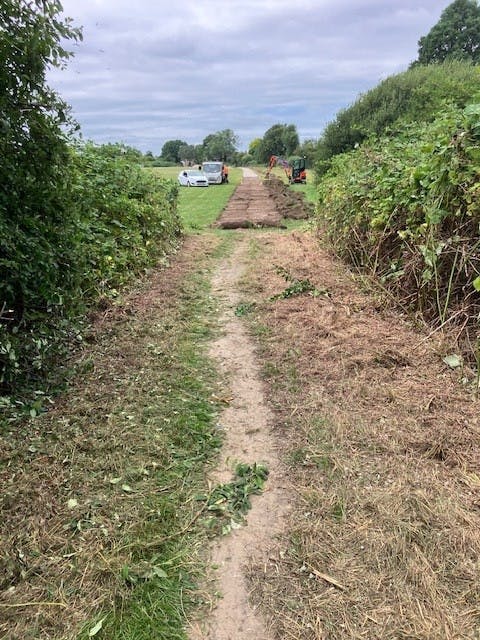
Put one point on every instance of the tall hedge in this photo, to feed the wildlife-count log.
(407, 210)
(113, 220)
(74, 222)
(415, 95)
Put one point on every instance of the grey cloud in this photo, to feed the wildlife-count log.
(152, 71)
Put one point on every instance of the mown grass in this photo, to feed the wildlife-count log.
(383, 536)
(200, 207)
(108, 519)
(163, 549)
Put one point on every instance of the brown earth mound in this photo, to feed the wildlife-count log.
(290, 204)
(250, 207)
(257, 204)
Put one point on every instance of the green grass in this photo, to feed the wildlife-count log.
(200, 207)
(309, 189)
(133, 439)
(172, 399)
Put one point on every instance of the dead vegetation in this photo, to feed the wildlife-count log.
(384, 450)
(85, 486)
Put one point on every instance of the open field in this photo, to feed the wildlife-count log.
(200, 206)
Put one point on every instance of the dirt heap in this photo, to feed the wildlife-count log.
(249, 207)
(257, 204)
(290, 204)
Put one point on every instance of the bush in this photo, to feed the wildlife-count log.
(114, 219)
(415, 95)
(407, 210)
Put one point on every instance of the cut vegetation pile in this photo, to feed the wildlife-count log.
(384, 449)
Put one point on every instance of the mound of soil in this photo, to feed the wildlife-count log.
(290, 204)
(249, 207)
(257, 204)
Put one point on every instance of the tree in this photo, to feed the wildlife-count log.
(308, 150)
(35, 169)
(254, 147)
(279, 140)
(186, 153)
(170, 150)
(220, 146)
(455, 36)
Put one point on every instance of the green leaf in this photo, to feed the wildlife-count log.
(476, 283)
(160, 573)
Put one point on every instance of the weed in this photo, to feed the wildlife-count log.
(243, 308)
(297, 287)
(231, 501)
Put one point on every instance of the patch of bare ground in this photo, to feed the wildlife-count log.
(77, 483)
(247, 423)
(257, 203)
(383, 447)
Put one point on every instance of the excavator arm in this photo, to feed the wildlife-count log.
(278, 161)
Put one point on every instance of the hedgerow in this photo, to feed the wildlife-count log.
(407, 210)
(411, 96)
(113, 220)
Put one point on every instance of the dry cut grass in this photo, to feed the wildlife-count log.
(90, 490)
(383, 450)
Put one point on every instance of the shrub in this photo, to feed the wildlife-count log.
(407, 210)
(114, 220)
(415, 95)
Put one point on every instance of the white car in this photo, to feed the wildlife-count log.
(192, 178)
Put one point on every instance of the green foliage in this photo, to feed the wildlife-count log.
(125, 216)
(113, 219)
(220, 146)
(279, 140)
(415, 95)
(170, 150)
(296, 286)
(407, 210)
(230, 501)
(456, 36)
(35, 174)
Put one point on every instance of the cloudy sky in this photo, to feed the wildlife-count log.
(149, 71)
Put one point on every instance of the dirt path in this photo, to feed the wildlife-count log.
(384, 453)
(248, 438)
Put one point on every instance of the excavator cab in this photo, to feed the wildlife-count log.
(298, 172)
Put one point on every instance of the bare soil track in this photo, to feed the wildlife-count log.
(262, 204)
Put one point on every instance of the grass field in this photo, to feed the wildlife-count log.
(200, 207)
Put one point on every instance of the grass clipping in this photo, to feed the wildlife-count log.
(383, 448)
(90, 490)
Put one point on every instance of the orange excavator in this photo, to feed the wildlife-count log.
(294, 170)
